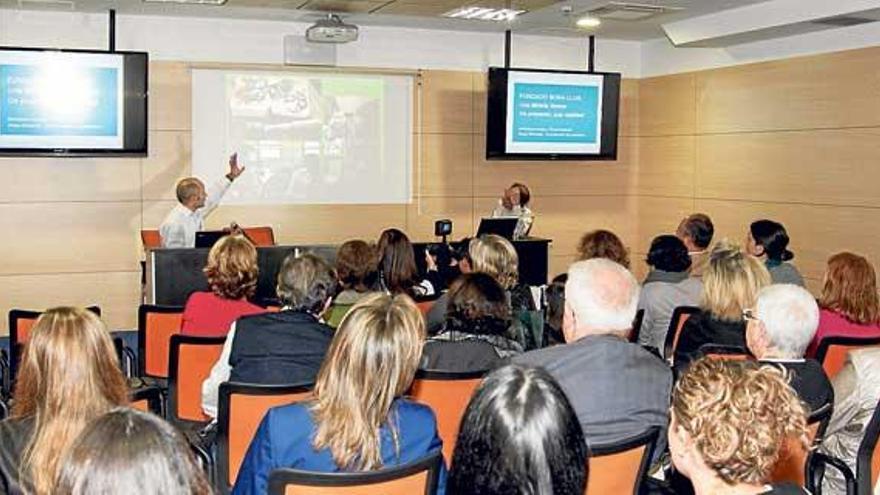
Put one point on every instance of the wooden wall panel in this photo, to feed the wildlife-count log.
(422, 214)
(667, 105)
(447, 102)
(170, 105)
(170, 160)
(446, 165)
(666, 166)
(628, 122)
(27, 179)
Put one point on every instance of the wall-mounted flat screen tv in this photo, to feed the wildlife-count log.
(537, 114)
(72, 102)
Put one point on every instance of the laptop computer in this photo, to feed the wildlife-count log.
(505, 227)
(207, 238)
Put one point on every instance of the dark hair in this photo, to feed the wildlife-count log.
(305, 283)
(698, 227)
(668, 253)
(356, 266)
(519, 434)
(554, 294)
(773, 238)
(129, 451)
(603, 244)
(524, 194)
(477, 305)
(397, 263)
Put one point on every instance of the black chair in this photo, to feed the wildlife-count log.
(637, 326)
(867, 463)
(148, 399)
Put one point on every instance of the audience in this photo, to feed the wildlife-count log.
(554, 299)
(666, 287)
(696, 231)
(232, 275)
(730, 284)
(849, 303)
(768, 241)
(475, 336)
(519, 435)
(358, 420)
(358, 275)
(728, 424)
(68, 375)
(130, 452)
(856, 393)
(398, 272)
(284, 347)
(617, 389)
(778, 332)
(603, 244)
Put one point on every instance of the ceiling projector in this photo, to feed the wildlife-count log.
(332, 29)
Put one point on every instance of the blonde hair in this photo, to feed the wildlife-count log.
(731, 281)
(850, 288)
(232, 268)
(740, 415)
(69, 376)
(371, 361)
(496, 256)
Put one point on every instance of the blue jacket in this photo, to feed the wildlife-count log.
(284, 439)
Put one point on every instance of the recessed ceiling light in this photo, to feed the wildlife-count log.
(588, 22)
(484, 14)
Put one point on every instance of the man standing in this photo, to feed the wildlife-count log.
(179, 228)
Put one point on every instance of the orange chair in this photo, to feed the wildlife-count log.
(425, 306)
(833, 350)
(240, 409)
(619, 468)
(418, 477)
(190, 362)
(147, 399)
(20, 324)
(156, 325)
(676, 323)
(151, 239)
(792, 465)
(726, 352)
(260, 236)
(448, 394)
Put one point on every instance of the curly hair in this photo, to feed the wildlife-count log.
(739, 415)
(356, 265)
(232, 268)
(496, 256)
(478, 305)
(668, 253)
(603, 244)
(850, 288)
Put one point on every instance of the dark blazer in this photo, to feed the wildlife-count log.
(617, 389)
(702, 328)
(284, 439)
(808, 379)
(14, 436)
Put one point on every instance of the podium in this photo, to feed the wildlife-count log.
(175, 273)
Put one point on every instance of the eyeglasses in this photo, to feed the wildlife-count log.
(749, 314)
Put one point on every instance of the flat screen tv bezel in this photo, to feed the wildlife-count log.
(138, 151)
(496, 117)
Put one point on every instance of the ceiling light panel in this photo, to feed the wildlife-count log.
(478, 13)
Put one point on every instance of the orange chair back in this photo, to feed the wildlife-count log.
(191, 359)
(151, 239)
(791, 466)
(448, 395)
(140, 405)
(620, 468)
(23, 329)
(679, 316)
(260, 236)
(156, 325)
(832, 351)
(241, 408)
(425, 307)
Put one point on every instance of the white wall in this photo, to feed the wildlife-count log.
(228, 40)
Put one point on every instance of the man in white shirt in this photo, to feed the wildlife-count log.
(179, 228)
(514, 204)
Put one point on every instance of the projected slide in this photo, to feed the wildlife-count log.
(305, 138)
(554, 113)
(52, 100)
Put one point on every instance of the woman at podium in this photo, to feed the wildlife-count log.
(514, 204)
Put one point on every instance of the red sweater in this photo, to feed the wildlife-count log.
(209, 315)
(833, 324)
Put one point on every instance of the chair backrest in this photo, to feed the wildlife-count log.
(791, 466)
(156, 325)
(832, 351)
(147, 399)
(151, 239)
(868, 456)
(676, 323)
(448, 394)
(726, 352)
(21, 322)
(425, 306)
(260, 236)
(240, 408)
(418, 477)
(190, 362)
(619, 468)
(637, 326)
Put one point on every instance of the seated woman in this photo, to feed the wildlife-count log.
(398, 273)
(358, 420)
(730, 284)
(475, 335)
(357, 274)
(129, 451)
(69, 374)
(768, 241)
(232, 274)
(519, 434)
(849, 306)
(554, 296)
(666, 287)
(514, 203)
(603, 244)
(728, 423)
(286, 347)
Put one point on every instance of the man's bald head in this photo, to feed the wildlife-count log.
(600, 297)
(191, 192)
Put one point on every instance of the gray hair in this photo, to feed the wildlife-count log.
(602, 294)
(790, 316)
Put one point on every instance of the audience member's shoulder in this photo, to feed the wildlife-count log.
(415, 411)
(296, 413)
